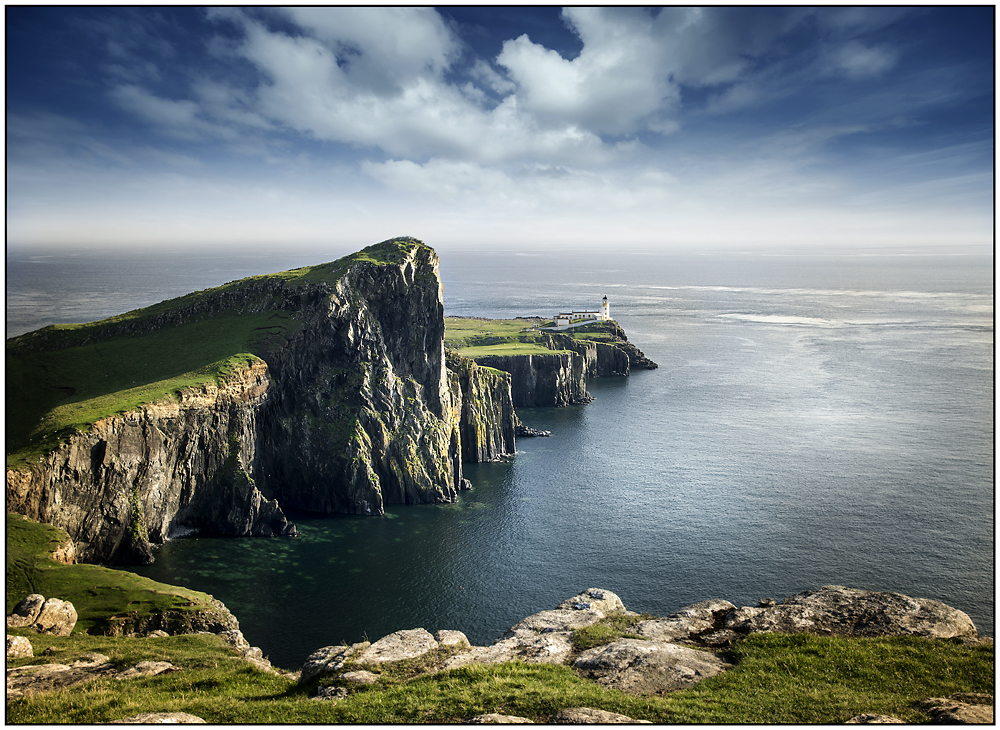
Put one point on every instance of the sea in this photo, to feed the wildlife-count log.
(816, 418)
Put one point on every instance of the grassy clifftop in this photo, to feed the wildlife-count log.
(106, 601)
(476, 337)
(63, 378)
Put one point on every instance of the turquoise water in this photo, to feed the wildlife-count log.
(815, 419)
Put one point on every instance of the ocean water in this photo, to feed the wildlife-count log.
(815, 419)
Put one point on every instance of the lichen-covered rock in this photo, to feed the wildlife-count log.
(52, 616)
(399, 645)
(560, 619)
(360, 676)
(146, 669)
(594, 599)
(25, 612)
(329, 659)
(497, 719)
(37, 678)
(961, 708)
(839, 611)
(530, 648)
(647, 667)
(869, 718)
(18, 647)
(448, 637)
(686, 624)
(160, 718)
(591, 716)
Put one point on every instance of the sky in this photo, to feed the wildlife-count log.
(584, 128)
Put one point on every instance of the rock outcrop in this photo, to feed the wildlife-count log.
(488, 422)
(839, 611)
(52, 616)
(656, 655)
(351, 409)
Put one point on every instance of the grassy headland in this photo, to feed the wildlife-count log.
(476, 337)
(63, 378)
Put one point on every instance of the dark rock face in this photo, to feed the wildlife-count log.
(488, 423)
(134, 478)
(557, 379)
(353, 411)
(361, 414)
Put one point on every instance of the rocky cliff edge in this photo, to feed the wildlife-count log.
(342, 403)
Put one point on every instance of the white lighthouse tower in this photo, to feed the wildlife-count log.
(605, 310)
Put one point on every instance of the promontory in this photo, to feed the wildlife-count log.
(326, 389)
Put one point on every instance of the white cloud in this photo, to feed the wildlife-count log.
(859, 61)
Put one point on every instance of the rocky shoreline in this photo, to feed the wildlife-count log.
(652, 657)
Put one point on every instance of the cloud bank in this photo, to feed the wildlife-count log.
(676, 125)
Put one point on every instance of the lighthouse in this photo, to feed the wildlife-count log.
(605, 310)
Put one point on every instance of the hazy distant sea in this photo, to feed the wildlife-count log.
(815, 419)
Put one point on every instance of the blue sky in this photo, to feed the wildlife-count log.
(620, 127)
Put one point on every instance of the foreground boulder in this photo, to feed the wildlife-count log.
(962, 708)
(839, 611)
(590, 716)
(160, 718)
(648, 667)
(52, 616)
(18, 647)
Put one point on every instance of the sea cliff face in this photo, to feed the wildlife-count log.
(556, 379)
(133, 478)
(350, 411)
(362, 414)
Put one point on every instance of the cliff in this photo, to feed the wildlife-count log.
(552, 379)
(547, 368)
(488, 420)
(324, 389)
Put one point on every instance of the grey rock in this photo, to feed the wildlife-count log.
(360, 676)
(160, 718)
(645, 667)
(496, 719)
(330, 693)
(839, 611)
(447, 637)
(146, 669)
(157, 634)
(591, 716)
(57, 617)
(18, 647)
(37, 678)
(602, 601)
(328, 659)
(560, 619)
(547, 648)
(399, 645)
(26, 611)
(687, 623)
(869, 718)
(961, 709)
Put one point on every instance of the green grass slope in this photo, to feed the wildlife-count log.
(63, 378)
(97, 593)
